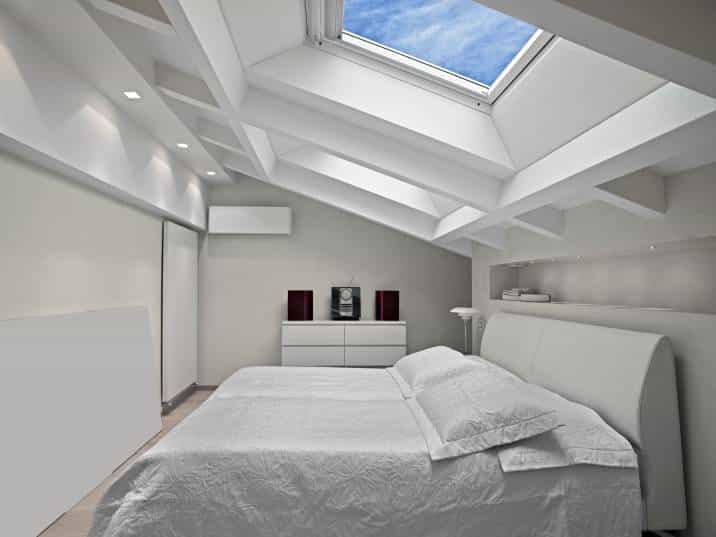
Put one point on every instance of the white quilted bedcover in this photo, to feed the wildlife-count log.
(315, 466)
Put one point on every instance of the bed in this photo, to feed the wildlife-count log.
(312, 382)
(319, 452)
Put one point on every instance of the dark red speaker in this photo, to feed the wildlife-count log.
(387, 305)
(300, 305)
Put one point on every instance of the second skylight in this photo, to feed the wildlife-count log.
(458, 36)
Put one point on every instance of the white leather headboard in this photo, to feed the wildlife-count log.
(627, 377)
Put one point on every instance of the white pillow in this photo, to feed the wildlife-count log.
(584, 438)
(481, 409)
(498, 370)
(415, 371)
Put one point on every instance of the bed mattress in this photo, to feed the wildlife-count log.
(315, 466)
(301, 382)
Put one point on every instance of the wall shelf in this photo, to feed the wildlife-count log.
(674, 277)
(585, 304)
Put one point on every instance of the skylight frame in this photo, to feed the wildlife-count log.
(325, 29)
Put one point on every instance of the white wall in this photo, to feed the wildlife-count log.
(244, 279)
(65, 248)
(599, 229)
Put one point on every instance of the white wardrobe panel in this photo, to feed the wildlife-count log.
(78, 398)
(180, 295)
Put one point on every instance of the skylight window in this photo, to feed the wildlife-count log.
(461, 37)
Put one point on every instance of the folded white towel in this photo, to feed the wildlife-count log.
(535, 298)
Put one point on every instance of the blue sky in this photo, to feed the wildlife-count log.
(459, 35)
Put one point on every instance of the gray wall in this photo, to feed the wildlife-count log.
(244, 279)
(65, 248)
(599, 229)
(677, 276)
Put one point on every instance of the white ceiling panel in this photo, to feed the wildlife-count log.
(283, 144)
(144, 46)
(694, 158)
(369, 142)
(568, 90)
(444, 205)
(380, 102)
(77, 38)
(264, 28)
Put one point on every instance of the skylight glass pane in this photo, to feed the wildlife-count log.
(460, 36)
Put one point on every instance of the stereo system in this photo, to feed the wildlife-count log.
(345, 305)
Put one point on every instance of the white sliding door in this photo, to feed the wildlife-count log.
(180, 294)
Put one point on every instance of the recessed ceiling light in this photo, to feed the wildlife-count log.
(132, 95)
(211, 173)
(182, 145)
(652, 247)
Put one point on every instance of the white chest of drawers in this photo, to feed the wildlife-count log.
(342, 343)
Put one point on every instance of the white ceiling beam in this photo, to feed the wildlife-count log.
(202, 28)
(261, 151)
(112, 68)
(617, 42)
(660, 125)
(359, 145)
(381, 103)
(371, 149)
(494, 237)
(345, 197)
(364, 178)
(184, 87)
(219, 135)
(663, 124)
(458, 219)
(356, 201)
(53, 117)
(462, 246)
(353, 200)
(239, 163)
(149, 19)
(642, 193)
(547, 221)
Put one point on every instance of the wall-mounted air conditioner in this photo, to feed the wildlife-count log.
(250, 220)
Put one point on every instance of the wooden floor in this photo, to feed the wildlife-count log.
(77, 521)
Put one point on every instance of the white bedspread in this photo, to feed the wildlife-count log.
(313, 467)
(302, 382)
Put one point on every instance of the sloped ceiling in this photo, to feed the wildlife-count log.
(240, 82)
(567, 91)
